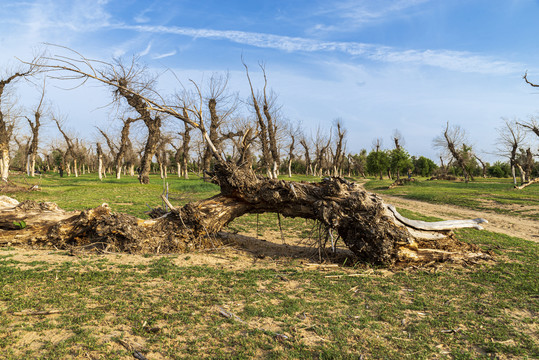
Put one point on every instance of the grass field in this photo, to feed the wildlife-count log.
(482, 194)
(229, 303)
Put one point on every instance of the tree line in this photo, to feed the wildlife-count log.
(252, 131)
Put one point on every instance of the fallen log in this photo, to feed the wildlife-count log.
(526, 184)
(374, 231)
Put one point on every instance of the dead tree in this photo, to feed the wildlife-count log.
(178, 154)
(113, 149)
(307, 155)
(528, 163)
(397, 139)
(243, 135)
(34, 127)
(291, 155)
(269, 111)
(186, 140)
(531, 125)
(119, 152)
(483, 165)
(373, 230)
(130, 84)
(6, 119)
(181, 156)
(124, 148)
(220, 106)
(126, 82)
(70, 153)
(510, 138)
(267, 126)
(23, 143)
(321, 144)
(338, 154)
(99, 161)
(161, 156)
(453, 141)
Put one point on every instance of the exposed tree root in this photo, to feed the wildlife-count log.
(45, 224)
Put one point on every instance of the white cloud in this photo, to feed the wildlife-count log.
(451, 60)
(141, 17)
(162, 56)
(147, 50)
(357, 13)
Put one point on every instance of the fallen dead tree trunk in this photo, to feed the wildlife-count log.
(526, 184)
(371, 229)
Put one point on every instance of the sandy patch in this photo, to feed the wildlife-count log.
(501, 223)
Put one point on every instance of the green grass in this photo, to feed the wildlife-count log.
(486, 311)
(482, 194)
(169, 306)
(124, 195)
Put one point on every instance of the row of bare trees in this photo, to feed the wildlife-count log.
(262, 140)
(209, 107)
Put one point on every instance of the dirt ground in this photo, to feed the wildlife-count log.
(506, 224)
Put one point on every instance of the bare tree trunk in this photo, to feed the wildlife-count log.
(28, 165)
(32, 165)
(289, 167)
(483, 166)
(162, 170)
(4, 164)
(185, 169)
(99, 162)
(154, 134)
(513, 174)
(522, 174)
(275, 170)
(186, 139)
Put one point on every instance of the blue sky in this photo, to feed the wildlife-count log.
(380, 65)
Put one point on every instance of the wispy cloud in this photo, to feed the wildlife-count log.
(368, 11)
(447, 59)
(162, 56)
(357, 13)
(45, 18)
(146, 51)
(142, 17)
